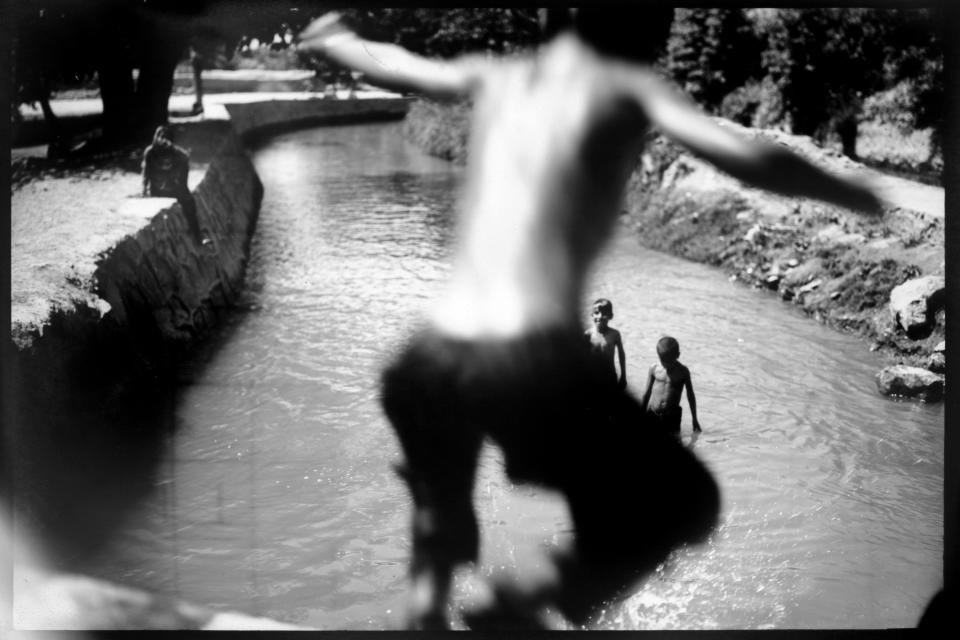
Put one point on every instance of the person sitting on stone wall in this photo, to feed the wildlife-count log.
(165, 169)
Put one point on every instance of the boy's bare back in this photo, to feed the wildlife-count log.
(556, 134)
(553, 139)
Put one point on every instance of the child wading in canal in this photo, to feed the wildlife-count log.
(605, 342)
(666, 381)
(555, 136)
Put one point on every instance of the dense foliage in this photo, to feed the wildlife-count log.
(811, 71)
(448, 32)
(711, 52)
(60, 43)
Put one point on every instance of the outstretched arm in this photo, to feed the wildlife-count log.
(648, 387)
(757, 163)
(388, 65)
(143, 171)
(692, 401)
(623, 362)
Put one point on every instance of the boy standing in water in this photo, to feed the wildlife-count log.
(555, 136)
(665, 384)
(605, 342)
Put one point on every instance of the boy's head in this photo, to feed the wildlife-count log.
(602, 311)
(163, 134)
(668, 349)
(553, 20)
(634, 33)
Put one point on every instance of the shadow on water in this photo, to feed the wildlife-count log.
(83, 454)
(257, 477)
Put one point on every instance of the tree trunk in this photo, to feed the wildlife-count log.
(847, 130)
(165, 44)
(154, 87)
(116, 92)
(58, 146)
(126, 38)
(108, 31)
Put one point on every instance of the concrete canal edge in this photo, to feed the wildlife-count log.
(153, 298)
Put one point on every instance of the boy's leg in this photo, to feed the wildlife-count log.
(674, 418)
(445, 533)
(189, 207)
(634, 494)
(441, 453)
(643, 495)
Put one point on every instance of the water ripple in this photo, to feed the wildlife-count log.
(279, 495)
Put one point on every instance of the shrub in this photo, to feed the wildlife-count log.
(755, 104)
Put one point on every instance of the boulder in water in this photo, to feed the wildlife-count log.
(910, 382)
(756, 236)
(914, 303)
(937, 362)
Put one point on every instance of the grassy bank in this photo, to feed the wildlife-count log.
(838, 266)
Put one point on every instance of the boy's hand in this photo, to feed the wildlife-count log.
(321, 31)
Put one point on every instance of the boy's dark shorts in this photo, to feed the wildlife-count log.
(560, 422)
(667, 421)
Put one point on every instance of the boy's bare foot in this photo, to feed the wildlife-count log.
(508, 610)
(430, 588)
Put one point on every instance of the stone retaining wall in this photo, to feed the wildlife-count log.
(93, 381)
(154, 294)
(257, 119)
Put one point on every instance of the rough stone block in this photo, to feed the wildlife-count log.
(910, 382)
(914, 303)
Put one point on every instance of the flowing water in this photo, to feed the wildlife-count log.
(275, 496)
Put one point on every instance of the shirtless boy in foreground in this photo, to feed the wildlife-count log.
(554, 138)
(666, 381)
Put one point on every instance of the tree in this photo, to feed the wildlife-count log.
(825, 62)
(914, 64)
(132, 47)
(56, 40)
(448, 32)
(711, 52)
(45, 56)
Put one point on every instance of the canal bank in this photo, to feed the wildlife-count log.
(108, 296)
(385, 549)
(276, 497)
(880, 278)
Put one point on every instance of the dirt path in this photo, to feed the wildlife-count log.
(909, 194)
(839, 266)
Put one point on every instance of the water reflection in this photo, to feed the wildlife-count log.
(83, 466)
(276, 496)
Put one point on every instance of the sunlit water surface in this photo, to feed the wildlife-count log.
(277, 499)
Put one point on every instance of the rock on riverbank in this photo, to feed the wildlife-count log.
(840, 267)
(878, 277)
